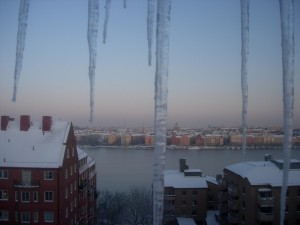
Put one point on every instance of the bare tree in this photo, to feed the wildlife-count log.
(110, 207)
(138, 206)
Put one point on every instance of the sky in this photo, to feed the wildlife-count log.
(204, 83)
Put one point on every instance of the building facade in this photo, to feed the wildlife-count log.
(39, 172)
(251, 193)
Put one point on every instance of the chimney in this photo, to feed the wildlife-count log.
(4, 122)
(182, 165)
(47, 123)
(24, 122)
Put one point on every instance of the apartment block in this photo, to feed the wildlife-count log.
(250, 193)
(39, 172)
(188, 194)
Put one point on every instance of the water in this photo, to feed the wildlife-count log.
(119, 169)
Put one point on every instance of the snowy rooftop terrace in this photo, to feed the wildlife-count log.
(177, 179)
(266, 172)
(33, 148)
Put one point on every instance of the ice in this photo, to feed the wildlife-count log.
(107, 9)
(150, 21)
(23, 15)
(93, 18)
(287, 44)
(161, 92)
(244, 69)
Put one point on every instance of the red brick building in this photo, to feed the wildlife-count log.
(39, 173)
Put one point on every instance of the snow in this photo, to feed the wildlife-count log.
(185, 221)
(161, 93)
(150, 21)
(264, 173)
(32, 148)
(211, 217)
(93, 18)
(23, 15)
(244, 70)
(176, 179)
(107, 12)
(287, 43)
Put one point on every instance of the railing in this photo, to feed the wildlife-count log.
(22, 184)
(265, 217)
(265, 200)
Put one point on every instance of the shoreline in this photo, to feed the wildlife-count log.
(184, 148)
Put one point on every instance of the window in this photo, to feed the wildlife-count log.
(3, 195)
(66, 173)
(75, 202)
(183, 202)
(16, 216)
(195, 203)
(3, 174)
(75, 185)
(75, 168)
(48, 175)
(3, 215)
(48, 197)
(35, 217)
(26, 177)
(16, 196)
(25, 196)
(71, 171)
(71, 188)
(48, 216)
(194, 192)
(73, 149)
(68, 153)
(66, 192)
(67, 212)
(35, 196)
(71, 206)
(25, 217)
(183, 192)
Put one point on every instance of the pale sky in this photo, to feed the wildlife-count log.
(204, 74)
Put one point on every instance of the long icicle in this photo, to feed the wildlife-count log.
(287, 44)
(161, 92)
(124, 4)
(93, 18)
(23, 15)
(150, 22)
(244, 70)
(107, 11)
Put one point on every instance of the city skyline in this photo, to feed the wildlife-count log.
(204, 73)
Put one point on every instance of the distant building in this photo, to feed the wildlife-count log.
(213, 140)
(251, 193)
(40, 174)
(149, 140)
(126, 139)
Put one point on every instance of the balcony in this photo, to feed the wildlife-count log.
(22, 184)
(83, 185)
(265, 200)
(265, 217)
(233, 219)
(223, 196)
(222, 208)
(233, 191)
(233, 205)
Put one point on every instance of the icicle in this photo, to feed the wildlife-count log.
(93, 18)
(107, 9)
(150, 21)
(244, 70)
(287, 44)
(161, 92)
(124, 4)
(23, 15)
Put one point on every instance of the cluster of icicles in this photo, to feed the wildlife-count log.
(163, 11)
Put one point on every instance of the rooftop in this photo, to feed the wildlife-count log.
(34, 147)
(265, 172)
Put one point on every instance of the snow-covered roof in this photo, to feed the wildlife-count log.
(177, 179)
(264, 173)
(185, 221)
(211, 217)
(33, 148)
